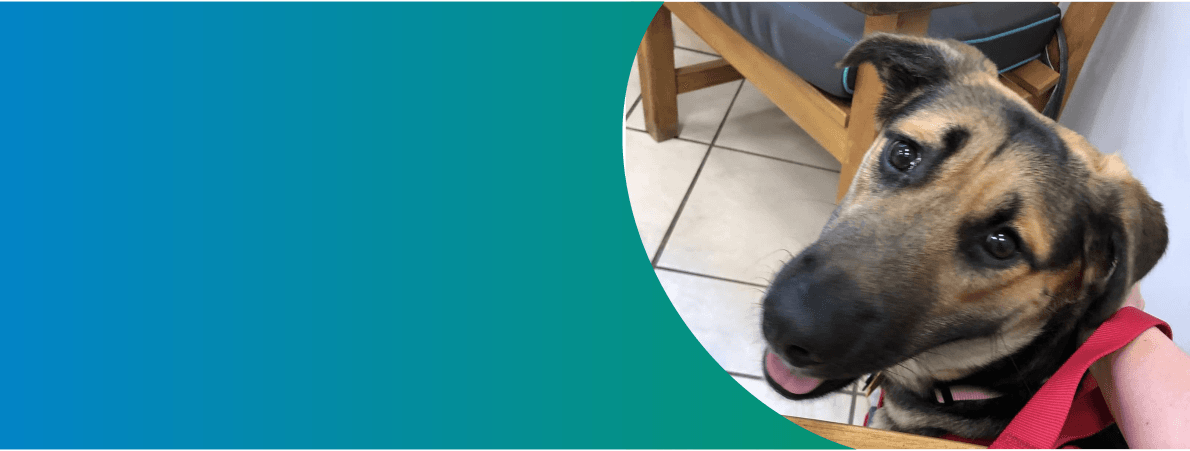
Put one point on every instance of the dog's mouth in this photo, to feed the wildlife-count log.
(791, 384)
(783, 376)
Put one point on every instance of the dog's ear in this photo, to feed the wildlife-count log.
(908, 65)
(1125, 235)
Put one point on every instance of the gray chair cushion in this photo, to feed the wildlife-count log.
(809, 38)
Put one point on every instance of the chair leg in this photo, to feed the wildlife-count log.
(1082, 23)
(658, 78)
(861, 127)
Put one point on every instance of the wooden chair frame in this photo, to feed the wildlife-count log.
(845, 129)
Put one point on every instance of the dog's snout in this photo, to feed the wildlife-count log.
(799, 356)
(810, 315)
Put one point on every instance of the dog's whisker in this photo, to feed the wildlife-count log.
(1024, 379)
(911, 370)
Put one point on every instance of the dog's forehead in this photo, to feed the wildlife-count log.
(984, 106)
(995, 124)
(929, 126)
(1011, 154)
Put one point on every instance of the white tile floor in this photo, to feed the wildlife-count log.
(721, 207)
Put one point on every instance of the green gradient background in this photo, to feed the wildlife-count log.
(336, 225)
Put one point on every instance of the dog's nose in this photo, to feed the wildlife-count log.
(814, 317)
(799, 356)
(796, 332)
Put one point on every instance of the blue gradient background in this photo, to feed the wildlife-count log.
(336, 225)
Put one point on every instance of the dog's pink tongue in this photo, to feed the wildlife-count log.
(798, 385)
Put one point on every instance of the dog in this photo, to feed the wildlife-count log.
(979, 244)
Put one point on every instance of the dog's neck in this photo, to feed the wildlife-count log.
(1008, 367)
(912, 397)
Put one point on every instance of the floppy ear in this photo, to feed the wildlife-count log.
(908, 65)
(1125, 236)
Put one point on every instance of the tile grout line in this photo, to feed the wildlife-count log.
(745, 376)
(679, 138)
(631, 109)
(779, 159)
(690, 189)
(854, 401)
(708, 276)
(832, 171)
(704, 52)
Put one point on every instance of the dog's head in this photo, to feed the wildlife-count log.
(973, 226)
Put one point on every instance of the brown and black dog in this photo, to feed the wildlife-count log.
(979, 244)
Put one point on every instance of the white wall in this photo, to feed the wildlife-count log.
(1133, 97)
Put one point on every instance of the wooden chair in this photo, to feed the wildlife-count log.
(859, 437)
(844, 128)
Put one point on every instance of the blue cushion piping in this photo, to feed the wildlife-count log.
(977, 41)
(1014, 30)
(1014, 66)
(845, 88)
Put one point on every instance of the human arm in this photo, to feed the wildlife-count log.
(1147, 388)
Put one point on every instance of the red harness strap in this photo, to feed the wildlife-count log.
(1057, 415)
(1046, 420)
(1089, 415)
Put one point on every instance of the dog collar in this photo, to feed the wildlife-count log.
(944, 394)
(947, 395)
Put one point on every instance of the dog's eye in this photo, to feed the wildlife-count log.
(903, 156)
(1000, 245)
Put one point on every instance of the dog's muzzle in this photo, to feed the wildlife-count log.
(814, 314)
(818, 324)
